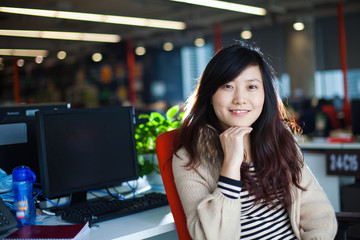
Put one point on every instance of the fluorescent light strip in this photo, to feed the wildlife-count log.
(92, 17)
(226, 6)
(92, 37)
(24, 52)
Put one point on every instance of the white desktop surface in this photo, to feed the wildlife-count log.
(137, 226)
(325, 145)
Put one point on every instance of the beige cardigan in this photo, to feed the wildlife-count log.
(211, 215)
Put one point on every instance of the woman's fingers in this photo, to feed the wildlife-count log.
(232, 142)
(235, 133)
(239, 129)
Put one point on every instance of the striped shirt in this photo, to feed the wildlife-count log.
(257, 221)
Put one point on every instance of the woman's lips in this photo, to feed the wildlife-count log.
(239, 111)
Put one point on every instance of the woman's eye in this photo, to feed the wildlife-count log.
(252, 87)
(227, 86)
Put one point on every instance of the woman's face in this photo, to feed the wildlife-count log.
(240, 102)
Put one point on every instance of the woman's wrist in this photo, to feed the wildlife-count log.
(230, 171)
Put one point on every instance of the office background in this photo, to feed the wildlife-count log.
(308, 62)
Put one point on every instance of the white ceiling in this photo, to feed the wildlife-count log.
(199, 20)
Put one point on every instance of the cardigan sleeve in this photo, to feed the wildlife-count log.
(210, 214)
(229, 187)
(317, 216)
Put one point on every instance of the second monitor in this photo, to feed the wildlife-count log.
(86, 149)
(18, 135)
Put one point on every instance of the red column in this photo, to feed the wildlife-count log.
(130, 58)
(217, 37)
(16, 83)
(343, 49)
(346, 109)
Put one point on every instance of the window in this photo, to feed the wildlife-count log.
(330, 83)
(194, 61)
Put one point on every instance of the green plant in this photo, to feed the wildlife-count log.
(146, 134)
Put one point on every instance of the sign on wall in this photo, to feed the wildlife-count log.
(344, 162)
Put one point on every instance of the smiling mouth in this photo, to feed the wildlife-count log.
(240, 111)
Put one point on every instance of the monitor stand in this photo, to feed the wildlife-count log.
(78, 198)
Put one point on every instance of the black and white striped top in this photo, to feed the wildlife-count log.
(257, 221)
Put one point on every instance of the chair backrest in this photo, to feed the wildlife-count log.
(346, 220)
(346, 109)
(331, 112)
(165, 145)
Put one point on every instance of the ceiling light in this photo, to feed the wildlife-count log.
(140, 51)
(298, 26)
(20, 62)
(168, 46)
(61, 55)
(92, 17)
(39, 59)
(199, 42)
(246, 34)
(24, 52)
(97, 57)
(226, 6)
(92, 37)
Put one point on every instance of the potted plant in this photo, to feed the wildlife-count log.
(146, 134)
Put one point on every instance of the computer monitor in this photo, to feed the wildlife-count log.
(355, 116)
(18, 135)
(85, 149)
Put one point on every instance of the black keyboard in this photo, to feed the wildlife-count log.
(98, 211)
(7, 220)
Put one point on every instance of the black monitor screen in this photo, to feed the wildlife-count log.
(18, 135)
(86, 149)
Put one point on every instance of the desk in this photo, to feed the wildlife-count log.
(315, 158)
(147, 224)
(325, 145)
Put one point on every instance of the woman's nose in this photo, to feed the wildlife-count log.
(239, 96)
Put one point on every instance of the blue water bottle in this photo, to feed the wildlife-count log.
(22, 185)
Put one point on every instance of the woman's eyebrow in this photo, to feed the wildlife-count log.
(254, 80)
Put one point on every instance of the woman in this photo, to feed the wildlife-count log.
(239, 172)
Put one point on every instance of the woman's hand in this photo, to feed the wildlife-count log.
(232, 143)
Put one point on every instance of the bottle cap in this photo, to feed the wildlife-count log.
(23, 173)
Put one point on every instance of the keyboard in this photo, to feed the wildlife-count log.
(98, 211)
(7, 220)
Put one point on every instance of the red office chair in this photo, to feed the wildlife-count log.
(165, 145)
(346, 109)
(331, 112)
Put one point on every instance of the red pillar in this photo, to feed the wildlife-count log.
(16, 84)
(346, 109)
(217, 37)
(343, 49)
(130, 58)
